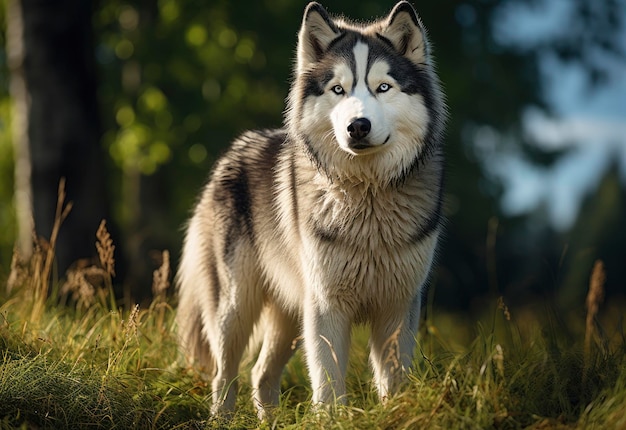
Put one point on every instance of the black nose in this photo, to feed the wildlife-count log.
(359, 128)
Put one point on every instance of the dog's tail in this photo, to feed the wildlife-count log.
(192, 341)
(193, 285)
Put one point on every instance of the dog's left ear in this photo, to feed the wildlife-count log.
(405, 31)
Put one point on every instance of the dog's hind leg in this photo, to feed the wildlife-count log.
(240, 304)
(280, 330)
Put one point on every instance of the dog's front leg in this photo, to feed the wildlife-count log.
(392, 344)
(326, 343)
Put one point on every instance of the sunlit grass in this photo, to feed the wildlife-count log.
(96, 367)
(103, 367)
(78, 359)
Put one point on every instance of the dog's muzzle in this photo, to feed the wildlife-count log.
(358, 130)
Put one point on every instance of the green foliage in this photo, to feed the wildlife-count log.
(186, 71)
(179, 80)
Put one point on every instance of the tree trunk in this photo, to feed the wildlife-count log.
(57, 127)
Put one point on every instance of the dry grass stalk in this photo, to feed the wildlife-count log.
(160, 284)
(161, 277)
(43, 255)
(504, 308)
(498, 359)
(85, 283)
(62, 211)
(36, 263)
(83, 292)
(392, 351)
(595, 296)
(106, 249)
(130, 328)
(332, 351)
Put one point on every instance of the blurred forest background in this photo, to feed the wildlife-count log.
(132, 101)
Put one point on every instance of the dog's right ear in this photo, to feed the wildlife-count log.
(316, 33)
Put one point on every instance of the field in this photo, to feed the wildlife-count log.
(72, 357)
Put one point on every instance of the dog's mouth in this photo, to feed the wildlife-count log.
(361, 147)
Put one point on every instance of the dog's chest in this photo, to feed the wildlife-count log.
(362, 247)
(365, 218)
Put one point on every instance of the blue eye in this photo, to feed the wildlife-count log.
(383, 88)
(338, 89)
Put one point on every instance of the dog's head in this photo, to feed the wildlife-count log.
(364, 89)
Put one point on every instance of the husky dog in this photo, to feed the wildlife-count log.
(330, 221)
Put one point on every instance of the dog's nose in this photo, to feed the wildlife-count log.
(359, 128)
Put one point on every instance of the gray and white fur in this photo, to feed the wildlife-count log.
(330, 221)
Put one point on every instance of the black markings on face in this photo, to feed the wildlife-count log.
(316, 82)
(411, 78)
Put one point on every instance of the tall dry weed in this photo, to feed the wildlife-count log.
(595, 296)
(504, 308)
(131, 326)
(88, 282)
(106, 249)
(161, 277)
(34, 272)
(62, 211)
(160, 285)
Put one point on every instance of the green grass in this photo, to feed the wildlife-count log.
(105, 368)
(90, 363)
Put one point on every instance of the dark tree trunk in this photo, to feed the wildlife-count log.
(62, 123)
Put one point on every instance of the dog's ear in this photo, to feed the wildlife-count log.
(316, 33)
(404, 30)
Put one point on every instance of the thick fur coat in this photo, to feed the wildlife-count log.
(330, 221)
